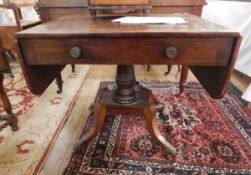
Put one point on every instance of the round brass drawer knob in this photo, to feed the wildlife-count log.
(76, 52)
(171, 52)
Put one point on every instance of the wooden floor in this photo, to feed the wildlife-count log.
(62, 150)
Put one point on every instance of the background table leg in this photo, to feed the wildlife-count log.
(59, 82)
(73, 68)
(169, 68)
(10, 117)
(148, 68)
(183, 78)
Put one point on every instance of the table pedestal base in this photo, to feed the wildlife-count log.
(123, 97)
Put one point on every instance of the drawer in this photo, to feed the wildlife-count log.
(59, 51)
(165, 10)
(189, 51)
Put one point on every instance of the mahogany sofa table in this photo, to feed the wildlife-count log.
(209, 50)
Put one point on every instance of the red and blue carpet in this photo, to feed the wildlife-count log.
(211, 137)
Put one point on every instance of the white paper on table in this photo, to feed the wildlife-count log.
(247, 94)
(150, 20)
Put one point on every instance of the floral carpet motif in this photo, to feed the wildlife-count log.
(18, 93)
(41, 119)
(211, 137)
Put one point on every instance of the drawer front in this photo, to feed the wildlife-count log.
(185, 51)
(59, 51)
(189, 51)
(166, 10)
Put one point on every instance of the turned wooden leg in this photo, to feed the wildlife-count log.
(10, 117)
(6, 62)
(73, 68)
(93, 12)
(183, 78)
(126, 81)
(148, 68)
(13, 57)
(99, 118)
(169, 68)
(59, 82)
(150, 113)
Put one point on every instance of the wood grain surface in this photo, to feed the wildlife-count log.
(119, 2)
(82, 26)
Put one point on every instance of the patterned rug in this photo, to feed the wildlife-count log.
(211, 137)
(18, 93)
(40, 120)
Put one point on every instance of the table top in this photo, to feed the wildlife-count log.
(82, 26)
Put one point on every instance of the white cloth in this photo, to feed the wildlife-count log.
(236, 15)
(29, 13)
(7, 17)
